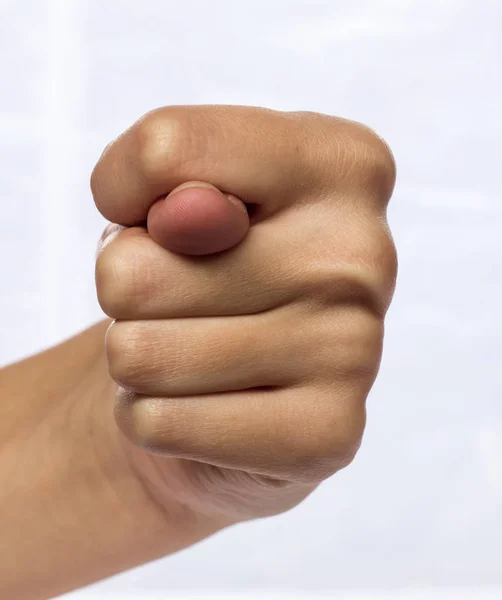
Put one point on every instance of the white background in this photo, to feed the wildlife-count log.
(421, 505)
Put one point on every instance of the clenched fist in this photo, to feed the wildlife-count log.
(248, 274)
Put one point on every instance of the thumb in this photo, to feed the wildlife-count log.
(196, 218)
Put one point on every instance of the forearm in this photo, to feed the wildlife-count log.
(72, 509)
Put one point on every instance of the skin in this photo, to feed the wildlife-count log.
(246, 274)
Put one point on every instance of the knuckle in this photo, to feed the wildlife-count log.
(126, 352)
(108, 280)
(374, 161)
(353, 283)
(348, 151)
(355, 267)
(331, 442)
(351, 348)
(160, 136)
(138, 417)
(145, 422)
(95, 185)
(103, 173)
(123, 278)
(341, 437)
(361, 337)
(113, 272)
(385, 260)
(151, 422)
(96, 182)
(375, 254)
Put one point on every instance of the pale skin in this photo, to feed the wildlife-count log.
(246, 281)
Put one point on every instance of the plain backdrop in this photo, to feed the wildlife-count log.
(421, 504)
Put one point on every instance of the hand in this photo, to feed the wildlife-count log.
(244, 346)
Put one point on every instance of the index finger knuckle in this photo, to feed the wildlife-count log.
(164, 141)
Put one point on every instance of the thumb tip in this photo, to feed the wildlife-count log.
(197, 219)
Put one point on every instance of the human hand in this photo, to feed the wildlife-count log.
(244, 348)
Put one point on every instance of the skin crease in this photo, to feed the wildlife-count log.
(246, 274)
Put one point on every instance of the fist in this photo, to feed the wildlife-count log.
(248, 272)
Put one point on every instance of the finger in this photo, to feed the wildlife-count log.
(297, 433)
(202, 356)
(229, 147)
(196, 218)
(179, 357)
(138, 279)
(269, 158)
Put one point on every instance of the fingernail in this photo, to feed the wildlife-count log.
(193, 184)
(239, 203)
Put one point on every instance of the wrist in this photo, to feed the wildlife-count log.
(73, 508)
(119, 511)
